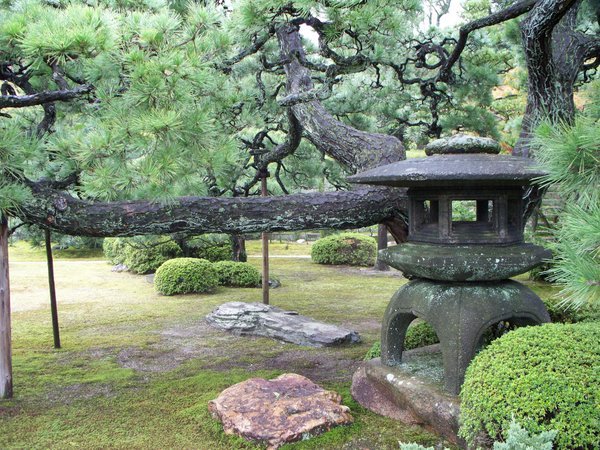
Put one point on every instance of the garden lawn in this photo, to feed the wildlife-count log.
(137, 369)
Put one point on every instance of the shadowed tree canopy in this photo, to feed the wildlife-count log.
(152, 117)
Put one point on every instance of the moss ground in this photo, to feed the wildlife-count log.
(137, 369)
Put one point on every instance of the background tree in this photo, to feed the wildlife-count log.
(173, 100)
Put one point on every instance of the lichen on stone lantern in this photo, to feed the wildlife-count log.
(460, 266)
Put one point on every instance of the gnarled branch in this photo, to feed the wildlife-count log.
(40, 98)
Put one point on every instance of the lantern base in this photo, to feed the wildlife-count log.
(460, 314)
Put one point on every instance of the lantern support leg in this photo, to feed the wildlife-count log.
(460, 314)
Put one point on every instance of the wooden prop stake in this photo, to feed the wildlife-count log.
(6, 382)
(53, 307)
(265, 247)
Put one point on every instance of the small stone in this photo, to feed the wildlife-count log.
(274, 412)
(301, 241)
(120, 268)
(462, 143)
(269, 321)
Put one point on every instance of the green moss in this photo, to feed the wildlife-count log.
(87, 394)
(545, 377)
(237, 274)
(186, 275)
(346, 248)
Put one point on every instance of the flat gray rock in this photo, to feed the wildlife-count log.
(269, 321)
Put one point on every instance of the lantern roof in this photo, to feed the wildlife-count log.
(474, 163)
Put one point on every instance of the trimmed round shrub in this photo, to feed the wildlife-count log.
(185, 275)
(545, 377)
(237, 274)
(346, 248)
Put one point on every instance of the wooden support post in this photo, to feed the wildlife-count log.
(265, 247)
(6, 385)
(53, 307)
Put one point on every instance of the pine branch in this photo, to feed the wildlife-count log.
(63, 95)
(503, 15)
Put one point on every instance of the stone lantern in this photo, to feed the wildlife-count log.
(460, 265)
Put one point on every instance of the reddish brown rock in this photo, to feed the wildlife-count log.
(286, 409)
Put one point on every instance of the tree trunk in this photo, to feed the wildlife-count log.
(65, 214)
(357, 150)
(6, 387)
(554, 53)
(238, 248)
(382, 243)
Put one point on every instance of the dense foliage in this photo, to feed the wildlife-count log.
(210, 250)
(515, 438)
(346, 248)
(141, 254)
(544, 377)
(570, 154)
(186, 275)
(237, 274)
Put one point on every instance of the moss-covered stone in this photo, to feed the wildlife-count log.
(463, 262)
(462, 143)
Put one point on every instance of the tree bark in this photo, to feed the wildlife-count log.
(555, 53)
(238, 247)
(382, 243)
(6, 385)
(355, 149)
(65, 214)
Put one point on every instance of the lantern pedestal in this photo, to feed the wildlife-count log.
(460, 314)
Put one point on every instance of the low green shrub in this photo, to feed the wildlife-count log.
(374, 351)
(186, 275)
(140, 254)
(237, 274)
(114, 249)
(419, 334)
(545, 377)
(568, 314)
(212, 247)
(516, 438)
(145, 256)
(346, 248)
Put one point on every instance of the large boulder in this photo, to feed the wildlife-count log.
(273, 412)
(264, 320)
